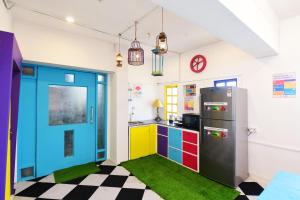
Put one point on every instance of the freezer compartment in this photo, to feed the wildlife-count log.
(217, 151)
(217, 103)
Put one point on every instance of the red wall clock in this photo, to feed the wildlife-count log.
(198, 63)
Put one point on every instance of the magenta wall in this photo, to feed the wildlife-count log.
(10, 72)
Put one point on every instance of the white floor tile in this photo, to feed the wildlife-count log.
(108, 162)
(48, 179)
(252, 197)
(239, 190)
(105, 193)
(94, 179)
(121, 171)
(133, 182)
(23, 198)
(19, 187)
(58, 191)
(150, 195)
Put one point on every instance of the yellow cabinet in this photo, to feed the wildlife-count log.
(142, 141)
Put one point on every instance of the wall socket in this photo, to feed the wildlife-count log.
(252, 131)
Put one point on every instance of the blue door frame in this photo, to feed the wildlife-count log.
(38, 155)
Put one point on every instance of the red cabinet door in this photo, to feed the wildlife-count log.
(191, 148)
(190, 137)
(190, 161)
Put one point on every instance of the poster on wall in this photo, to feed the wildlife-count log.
(189, 104)
(189, 97)
(284, 85)
(137, 91)
(190, 90)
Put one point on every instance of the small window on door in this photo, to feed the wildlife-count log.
(226, 83)
(69, 143)
(69, 78)
(171, 101)
(28, 71)
(67, 105)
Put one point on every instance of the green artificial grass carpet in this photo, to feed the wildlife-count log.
(174, 182)
(75, 172)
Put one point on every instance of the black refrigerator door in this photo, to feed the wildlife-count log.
(217, 151)
(217, 103)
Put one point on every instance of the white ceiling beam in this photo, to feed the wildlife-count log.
(249, 25)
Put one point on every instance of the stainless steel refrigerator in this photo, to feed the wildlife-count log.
(224, 134)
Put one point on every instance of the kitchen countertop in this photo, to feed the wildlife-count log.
(165, 123)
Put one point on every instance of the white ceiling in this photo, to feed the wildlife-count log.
(114, 16)
(285, 8)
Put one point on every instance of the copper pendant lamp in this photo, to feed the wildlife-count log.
(135, 52)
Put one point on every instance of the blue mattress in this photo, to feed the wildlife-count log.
(284, 186)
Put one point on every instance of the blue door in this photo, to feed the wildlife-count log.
(66, 130)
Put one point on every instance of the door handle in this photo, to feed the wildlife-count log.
(92, 115)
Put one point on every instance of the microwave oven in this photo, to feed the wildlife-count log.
(191, 121)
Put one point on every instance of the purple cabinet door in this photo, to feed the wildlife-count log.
(162, 145)
(162, 130)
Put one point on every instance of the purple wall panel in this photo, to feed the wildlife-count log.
(17, 62)
(9, 54)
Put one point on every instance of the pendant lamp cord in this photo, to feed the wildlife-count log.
(162, 19)
(119, 40)
(135, 27)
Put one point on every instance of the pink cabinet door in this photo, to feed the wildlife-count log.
(190, 161)
(190, 148)
(190, 137)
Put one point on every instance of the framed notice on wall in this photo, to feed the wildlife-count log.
(189, 97)
(284, 85)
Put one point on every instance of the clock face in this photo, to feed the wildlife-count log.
(198, 63)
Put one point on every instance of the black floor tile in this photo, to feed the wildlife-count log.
(114, 181)
(242, 197)
(130, 194)
(36, 189)
(81, 192)
(37, 179)
(76, 181)
(106, 169)
(251, 188)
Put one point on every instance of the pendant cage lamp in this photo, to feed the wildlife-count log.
(135, 52)
(119, 57)
(162, 39)
(157, 62)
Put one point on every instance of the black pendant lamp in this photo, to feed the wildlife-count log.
(135, 52)
(161, 39)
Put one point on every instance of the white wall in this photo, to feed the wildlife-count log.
(45, 44)
(142, 106)
(275, 146)
(5, 19)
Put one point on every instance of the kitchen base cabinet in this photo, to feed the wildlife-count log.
(162, 145)
(183, 147)
(142, 141)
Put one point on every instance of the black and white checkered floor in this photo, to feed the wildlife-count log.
(112, 182)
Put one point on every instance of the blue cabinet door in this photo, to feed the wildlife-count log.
(175, 155)
(175, 138)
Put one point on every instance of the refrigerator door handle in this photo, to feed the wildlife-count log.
(201, 132)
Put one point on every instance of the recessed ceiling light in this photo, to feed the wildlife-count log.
(70, 19)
